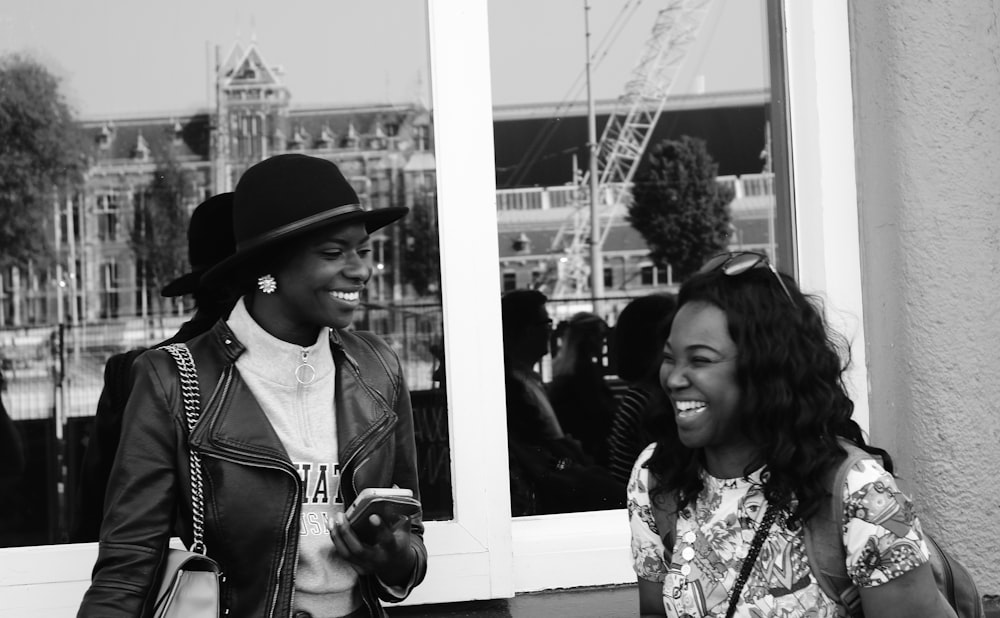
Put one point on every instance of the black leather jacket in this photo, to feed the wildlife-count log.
(104, 437)
(252, 492)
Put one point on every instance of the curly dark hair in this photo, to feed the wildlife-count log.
(795, 406)
(637, 339)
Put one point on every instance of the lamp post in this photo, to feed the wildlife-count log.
(596, 257)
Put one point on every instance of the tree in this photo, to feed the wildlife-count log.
(159, 231)
(421, 253)
(678, 206)
(42, 151)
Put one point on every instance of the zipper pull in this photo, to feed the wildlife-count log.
(305, 373)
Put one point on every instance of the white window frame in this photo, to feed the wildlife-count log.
(588, 549)
(482, 553)
(824, 188)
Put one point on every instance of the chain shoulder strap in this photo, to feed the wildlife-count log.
(755, 546)
(192, 410)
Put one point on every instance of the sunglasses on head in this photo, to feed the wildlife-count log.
(739, 262)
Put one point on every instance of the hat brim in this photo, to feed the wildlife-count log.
(373, 220)
(185, 284)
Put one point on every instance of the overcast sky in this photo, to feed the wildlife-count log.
(137, 57)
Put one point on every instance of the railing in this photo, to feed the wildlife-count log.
(53, 376)
(58, 370)
(535, 198)
(546, 198)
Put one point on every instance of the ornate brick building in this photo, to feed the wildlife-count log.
(385, 150)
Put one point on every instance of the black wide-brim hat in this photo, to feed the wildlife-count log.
(210, 240)
(290, 195)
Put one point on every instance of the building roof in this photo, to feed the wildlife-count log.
(542, 151)
(248, 68)
(187, 137)
(739, 98)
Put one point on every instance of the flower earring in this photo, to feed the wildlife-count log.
(267, 284)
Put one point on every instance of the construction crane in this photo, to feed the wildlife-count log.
(623, 141)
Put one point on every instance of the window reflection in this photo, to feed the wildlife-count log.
(684, 81)
(263, 93)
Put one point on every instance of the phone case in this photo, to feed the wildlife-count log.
(389, 505)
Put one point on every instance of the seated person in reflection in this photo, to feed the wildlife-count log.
(760, 420)
(581, 398)
(300, 413)
(636, 350)
(549, 472)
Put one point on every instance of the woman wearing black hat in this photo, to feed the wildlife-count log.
(298, 416)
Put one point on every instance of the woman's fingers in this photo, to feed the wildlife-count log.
(346, 542)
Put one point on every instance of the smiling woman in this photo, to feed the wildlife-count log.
(699, 373)
(320, 280)
(299, 416)
(304, 250)
(761, 422)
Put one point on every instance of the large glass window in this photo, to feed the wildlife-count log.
(653, 123)
(205, 101)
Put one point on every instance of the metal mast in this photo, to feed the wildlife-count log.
(625, 138)
(596, 258)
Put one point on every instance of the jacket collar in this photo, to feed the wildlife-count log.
(235, 422)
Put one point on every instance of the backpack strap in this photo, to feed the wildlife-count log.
(664, 508)
(824, 536)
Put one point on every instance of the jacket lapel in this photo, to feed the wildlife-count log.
(359, 413)
(236, 423)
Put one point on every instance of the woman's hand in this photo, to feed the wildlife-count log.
(391, 558)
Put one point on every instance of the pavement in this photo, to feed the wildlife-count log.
(601, 602)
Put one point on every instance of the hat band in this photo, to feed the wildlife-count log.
(260, 239)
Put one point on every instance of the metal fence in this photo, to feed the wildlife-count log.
(53, 376)
(57, 371)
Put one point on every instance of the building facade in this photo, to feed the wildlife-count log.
(387, 152)
(384, 150)
(534, 221)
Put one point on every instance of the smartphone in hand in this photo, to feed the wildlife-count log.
(390, 504)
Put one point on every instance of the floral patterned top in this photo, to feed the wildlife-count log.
(882, 538)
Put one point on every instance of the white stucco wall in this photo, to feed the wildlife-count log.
(927, 123)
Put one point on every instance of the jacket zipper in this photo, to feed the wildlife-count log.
(367, 438)
(371, 440)
(288, 522)
(361, 380)
(273, 465)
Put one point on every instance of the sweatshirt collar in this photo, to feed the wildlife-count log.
(274, 359)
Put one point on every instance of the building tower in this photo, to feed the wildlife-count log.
(251, 114)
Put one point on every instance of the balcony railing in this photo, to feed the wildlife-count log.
(547, 198)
